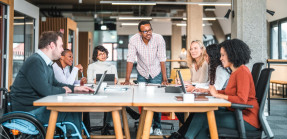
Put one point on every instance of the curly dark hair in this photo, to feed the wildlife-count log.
(143, 23)
(238, 52)
(213, 52)
(100, 48)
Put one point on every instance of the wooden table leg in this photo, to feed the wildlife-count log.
(52, 125)
(147, 124)
(212, 125)
(126, 124)
(186, 114)
(141, 124)
(117, 124)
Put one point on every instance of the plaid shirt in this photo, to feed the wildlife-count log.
(148, 56)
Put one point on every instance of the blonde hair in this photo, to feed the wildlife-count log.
(190, 61)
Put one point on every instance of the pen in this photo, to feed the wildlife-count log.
(82, 75)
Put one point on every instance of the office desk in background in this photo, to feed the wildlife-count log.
(102, 102)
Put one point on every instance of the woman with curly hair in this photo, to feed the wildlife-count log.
(100, 55)
(240, 89)
(218, 76)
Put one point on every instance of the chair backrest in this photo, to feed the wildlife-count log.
(261, 94)
(256, 69)
(6, 103)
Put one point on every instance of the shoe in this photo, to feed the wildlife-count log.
(175, 135)
(133, 113)
(157, 132)
(151, 130)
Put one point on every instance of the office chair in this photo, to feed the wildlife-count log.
(261, 93)
(256, 69)
(20, 124)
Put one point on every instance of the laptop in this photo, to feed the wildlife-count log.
(109, 78)
(176, 89)
(96, 91)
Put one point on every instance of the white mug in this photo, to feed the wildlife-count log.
(104, 84)
(188, 98)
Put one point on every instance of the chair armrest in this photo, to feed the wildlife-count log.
(240, 106)
(239, 118)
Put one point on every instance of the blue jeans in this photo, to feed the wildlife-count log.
(43, 115)
(198, 127)
(156, 80)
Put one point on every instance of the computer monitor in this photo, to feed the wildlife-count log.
(181, 81)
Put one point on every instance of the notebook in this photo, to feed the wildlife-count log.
(96, 91)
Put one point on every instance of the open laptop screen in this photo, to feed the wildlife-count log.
(108, 77)
(100, 82)
(181, 81)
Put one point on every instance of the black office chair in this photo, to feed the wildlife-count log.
(256, 69)
(261, 93)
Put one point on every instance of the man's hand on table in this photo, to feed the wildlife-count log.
(127, 82)
(83, 89)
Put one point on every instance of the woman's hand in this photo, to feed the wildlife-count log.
(84, 80)
(80, 67)
(201, 90)
(215, 93)
(189, 88)
(116, 81)
(95, 81)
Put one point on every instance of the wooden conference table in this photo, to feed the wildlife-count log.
(102, 102)
(151, 98)
(154, 99)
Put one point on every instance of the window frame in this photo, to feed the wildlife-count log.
(272, 24)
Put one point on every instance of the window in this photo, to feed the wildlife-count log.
(284, 40)
(278, 39)
(23, 42)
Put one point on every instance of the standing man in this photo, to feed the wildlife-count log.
(150, 51)
(36, 80)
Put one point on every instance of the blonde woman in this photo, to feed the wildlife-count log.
(197, 64)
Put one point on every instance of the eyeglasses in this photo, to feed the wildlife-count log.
(101, 54)
(147, 31)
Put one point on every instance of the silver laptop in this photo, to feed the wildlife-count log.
(109, 78)
(96, 91)
(176, 89)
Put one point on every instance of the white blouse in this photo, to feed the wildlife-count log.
(64, 75)
(99, 68)
(221, 79)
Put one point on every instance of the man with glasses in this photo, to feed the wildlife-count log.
(150, 50)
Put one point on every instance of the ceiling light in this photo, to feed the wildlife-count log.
(134, 3)
(214, 4)
(80, 1)
(209, 18)
(129, 24)
(134, 18)
(19, 17)
(165, 3)
(270, 12)
(103, 27)
(183, 24)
